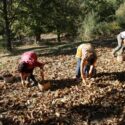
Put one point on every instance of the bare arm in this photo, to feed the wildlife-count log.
(82, 73)
(91, 68)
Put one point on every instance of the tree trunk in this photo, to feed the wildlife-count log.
(58, 36)
(37, 38)
(7, 29)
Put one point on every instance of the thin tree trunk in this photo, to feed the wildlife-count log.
(7, 29)
(37, 38)
(58, 36)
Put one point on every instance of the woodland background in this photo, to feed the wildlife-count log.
(26, 20)
(54, 29)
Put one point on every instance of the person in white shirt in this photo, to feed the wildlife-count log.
(118, 51)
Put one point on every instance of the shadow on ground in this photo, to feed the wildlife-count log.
(101, 108)
(92, 114)
(109, 43)
(48, 50)
(61, 84)
(65, 48)
(120, 76)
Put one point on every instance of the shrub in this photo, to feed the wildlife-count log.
(86, 30)
(120, 14)
(106, 29)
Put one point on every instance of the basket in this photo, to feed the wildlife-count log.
(8, 79)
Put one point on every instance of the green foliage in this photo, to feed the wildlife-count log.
(120, 14)
(105, 29)
(20, 29)
(64, 16)
(103, 8)
(86, 30)
(49, 16)
(2, 44)
(102, 20)
(85, 18)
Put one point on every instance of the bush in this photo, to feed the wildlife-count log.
(86, 30)
(120, 14)
(104, 28)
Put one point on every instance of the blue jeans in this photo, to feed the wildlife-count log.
(85, 69)
(78, 74)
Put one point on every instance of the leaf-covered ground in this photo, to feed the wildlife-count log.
(66, 102)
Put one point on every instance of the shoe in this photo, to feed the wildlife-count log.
(77, 79)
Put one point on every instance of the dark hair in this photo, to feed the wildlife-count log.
(91, 58)
(23, 67)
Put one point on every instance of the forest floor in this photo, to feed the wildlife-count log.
(66, 101)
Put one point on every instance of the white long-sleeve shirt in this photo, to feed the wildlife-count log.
(122, 34)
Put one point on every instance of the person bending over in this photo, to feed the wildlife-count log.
(118, 51)
(27, 64)
(86, 61)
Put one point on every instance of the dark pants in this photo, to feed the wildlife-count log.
(31, 79)
(85, 70)
(23, 68)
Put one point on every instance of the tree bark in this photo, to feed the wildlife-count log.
(58, 36)
(7, 29)
(37, 38)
